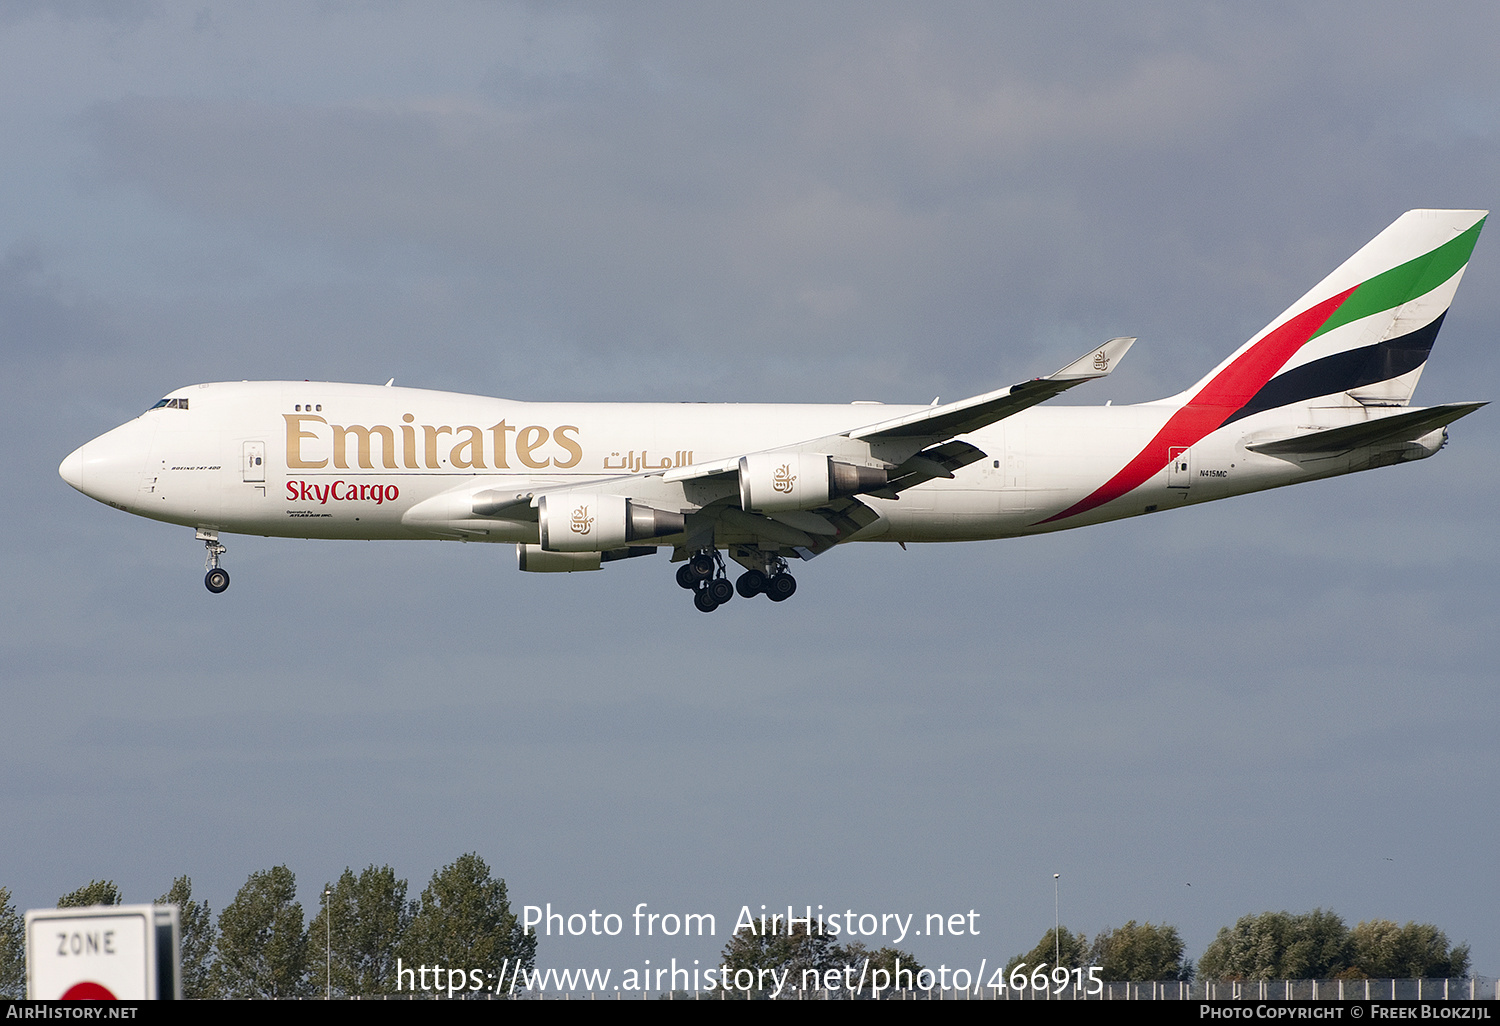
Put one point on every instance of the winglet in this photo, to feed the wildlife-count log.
(1097, 364)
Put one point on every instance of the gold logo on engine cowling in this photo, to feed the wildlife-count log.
(1101, 361)
(581, 523)
(783, 479)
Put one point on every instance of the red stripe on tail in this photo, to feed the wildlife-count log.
(1215, 403)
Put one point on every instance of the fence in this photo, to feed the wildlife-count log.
(1475, 988)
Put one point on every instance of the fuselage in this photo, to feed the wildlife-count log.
(1324, 389)
(328, 460)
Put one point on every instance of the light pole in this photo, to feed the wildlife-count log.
(1056, 924)
(328, 943)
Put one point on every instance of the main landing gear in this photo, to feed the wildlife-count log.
(704, 575)
(217, 578)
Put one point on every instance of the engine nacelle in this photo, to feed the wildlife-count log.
(594, 522)
(537, 560)
(801, 480)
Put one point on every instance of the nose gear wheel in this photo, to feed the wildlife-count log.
(217, 578)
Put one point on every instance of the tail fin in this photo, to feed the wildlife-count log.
(1361, 337)
(1362, 334)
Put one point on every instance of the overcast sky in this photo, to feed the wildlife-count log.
(1283, 701)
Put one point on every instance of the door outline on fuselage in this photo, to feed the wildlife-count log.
(254, 464)
(1179, 467)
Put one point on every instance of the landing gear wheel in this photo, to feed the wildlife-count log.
(704, 601)
(720, 590)
(750, 584)
(702, 566)
(216, 579)
(781, 587)
(686, 578)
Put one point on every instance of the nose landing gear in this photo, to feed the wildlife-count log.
(217, 578)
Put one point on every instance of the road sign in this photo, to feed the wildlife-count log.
(102, 953)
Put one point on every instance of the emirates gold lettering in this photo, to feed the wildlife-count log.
(372, 447)
(409, 442)
(474, 445)
(499, 431)
(431, 434)
(294, 437)
(575, 451)
(528, 440)
(783, 479)
(362, 435)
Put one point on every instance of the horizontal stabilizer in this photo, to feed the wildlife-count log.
(1407, 426)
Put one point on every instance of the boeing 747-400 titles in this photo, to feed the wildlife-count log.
(1324, 389)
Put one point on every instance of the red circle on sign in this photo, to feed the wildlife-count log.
(87, 991)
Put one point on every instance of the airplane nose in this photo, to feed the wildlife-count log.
(111, 467)
(71, 469)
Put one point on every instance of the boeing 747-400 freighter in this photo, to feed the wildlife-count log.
(1324, 389)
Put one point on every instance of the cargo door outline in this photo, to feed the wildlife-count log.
(1014, 497)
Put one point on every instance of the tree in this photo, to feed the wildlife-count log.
(96, 892)
(12, 949)
(786, 953)
(900, 967)
(1278, 946)
(1383, 949)
(365, 921)
(464, 919)
(1137, 953)
(262, 943)
(196, 925)
(1074, 948)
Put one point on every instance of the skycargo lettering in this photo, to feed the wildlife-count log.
(302, 491)
(465, 445)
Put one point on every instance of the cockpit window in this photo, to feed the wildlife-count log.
(170, 404)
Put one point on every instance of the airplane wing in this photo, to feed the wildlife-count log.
(808, 532)
(914, 448)
(812, 532)
(939, 423)
(972, 414)
(1400, 427)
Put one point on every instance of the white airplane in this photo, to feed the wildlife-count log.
(1323, 390)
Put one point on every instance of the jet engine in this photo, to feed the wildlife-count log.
(592, 522)
(537, 560)
(798, 480)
